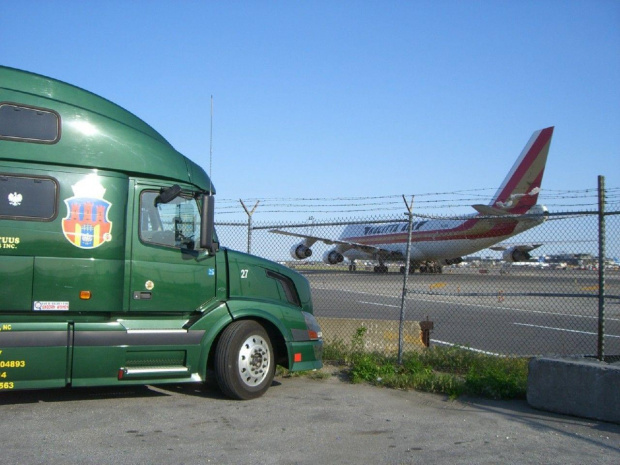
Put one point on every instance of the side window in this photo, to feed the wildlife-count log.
(28, 197)
(28, 124)
(173, 224)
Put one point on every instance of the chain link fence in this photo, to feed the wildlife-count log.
(559, 301)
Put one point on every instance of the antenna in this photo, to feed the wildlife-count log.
(211, 151)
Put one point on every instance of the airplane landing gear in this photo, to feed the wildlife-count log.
(431, 267)
(382, 268)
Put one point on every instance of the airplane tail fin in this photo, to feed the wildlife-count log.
(519, 191)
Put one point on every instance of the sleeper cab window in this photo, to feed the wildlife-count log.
(22, 123)
(31, 198)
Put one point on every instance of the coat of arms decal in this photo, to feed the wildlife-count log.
(87, 225)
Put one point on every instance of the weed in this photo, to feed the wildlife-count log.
(357, 342)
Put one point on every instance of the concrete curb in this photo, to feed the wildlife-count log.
(381, 335)
(575, 386)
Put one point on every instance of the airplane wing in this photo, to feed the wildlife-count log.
(343, 246)
(518, 247)
(491, 211)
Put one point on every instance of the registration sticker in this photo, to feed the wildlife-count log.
(51, 306)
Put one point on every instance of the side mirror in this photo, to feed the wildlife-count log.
(207, 224)
(168, 194)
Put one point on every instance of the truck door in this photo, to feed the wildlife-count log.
(168, 271)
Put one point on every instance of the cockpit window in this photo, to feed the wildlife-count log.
(174, 224)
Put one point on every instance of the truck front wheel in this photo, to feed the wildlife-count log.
(244, 360)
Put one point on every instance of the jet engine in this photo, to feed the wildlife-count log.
(300, 251)
(515, 255)
(452, 261)
(333, 257)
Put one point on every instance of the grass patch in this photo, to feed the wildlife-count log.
(453, 371)
(311, 374)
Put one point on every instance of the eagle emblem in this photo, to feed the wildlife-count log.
(15, 199)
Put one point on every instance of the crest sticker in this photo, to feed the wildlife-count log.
(87, 225)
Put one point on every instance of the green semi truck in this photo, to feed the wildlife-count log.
(110, 268)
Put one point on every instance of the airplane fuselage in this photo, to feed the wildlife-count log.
(440, 240)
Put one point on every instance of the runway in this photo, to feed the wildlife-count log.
(525, 312)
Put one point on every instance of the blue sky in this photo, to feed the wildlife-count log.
(330, 99)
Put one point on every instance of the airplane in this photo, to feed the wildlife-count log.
(439, 242)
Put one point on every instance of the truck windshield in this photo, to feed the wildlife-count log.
(173, 224)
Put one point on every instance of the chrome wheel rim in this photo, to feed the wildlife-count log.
(254, 360)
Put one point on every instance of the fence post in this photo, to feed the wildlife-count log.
(401, 325)
(601, 268)
(249, 213)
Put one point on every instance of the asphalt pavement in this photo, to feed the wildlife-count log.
(298, 421)
(526, 312)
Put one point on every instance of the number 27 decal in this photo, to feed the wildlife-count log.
(244, 274)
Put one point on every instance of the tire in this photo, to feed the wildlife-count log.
(244, 360)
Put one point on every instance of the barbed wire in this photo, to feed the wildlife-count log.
(452, 200)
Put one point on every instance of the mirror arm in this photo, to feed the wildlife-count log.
(168, 194)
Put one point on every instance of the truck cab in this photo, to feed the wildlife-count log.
(111, 269)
